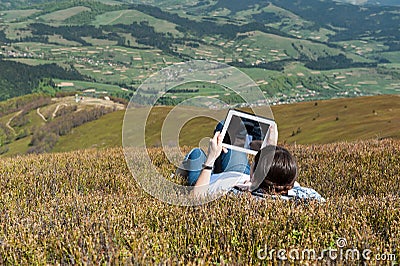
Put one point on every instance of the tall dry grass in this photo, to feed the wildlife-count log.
(85, 207)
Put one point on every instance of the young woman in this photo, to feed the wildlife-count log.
(272, 174)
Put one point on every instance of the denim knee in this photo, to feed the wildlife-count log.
(194, 154)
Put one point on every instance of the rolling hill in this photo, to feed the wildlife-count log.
(321, 122)
(293, 52)
(33, 124)
(318, 122)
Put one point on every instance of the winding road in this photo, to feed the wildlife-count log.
(41, 115)
(58, 107)
(11, 118)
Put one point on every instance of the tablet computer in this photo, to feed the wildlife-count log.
(245, 132)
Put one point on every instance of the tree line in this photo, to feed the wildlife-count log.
(336, 62)
(18, 79)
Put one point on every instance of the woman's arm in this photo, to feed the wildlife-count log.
(214, 150)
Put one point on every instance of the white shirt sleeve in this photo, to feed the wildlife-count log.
(225, 181)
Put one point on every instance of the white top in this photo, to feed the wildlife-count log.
(224, 182)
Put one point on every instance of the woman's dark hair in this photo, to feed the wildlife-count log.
(282, 173)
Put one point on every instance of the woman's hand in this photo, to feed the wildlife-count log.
(214, 149)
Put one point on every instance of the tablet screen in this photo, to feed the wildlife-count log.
(245, 132)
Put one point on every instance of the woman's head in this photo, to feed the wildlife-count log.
(282, 171)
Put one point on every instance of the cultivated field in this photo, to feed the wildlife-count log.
(85, 208)
(62, 15)
(130, 16)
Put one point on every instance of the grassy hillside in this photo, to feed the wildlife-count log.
(321, 122)
(85, 207)
(130, 16)
(64, 14)
(102, 133)
(328, 121)
(30, 121)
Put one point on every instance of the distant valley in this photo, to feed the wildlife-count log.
(295, 53)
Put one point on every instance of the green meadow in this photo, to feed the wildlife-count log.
(314, 122)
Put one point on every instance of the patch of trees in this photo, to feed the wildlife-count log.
(273, 65)
(62, 94)
(228, 99)
(26, 102)
(3, 37)
(44, 138)
(183, 90)
(64, 110)
(119, 100)
(228, 31)
(193, 44)
(231, 99)
(41, 39)
(336, 62)
(121, 96)
(18, 79)
(235, 5)
(166, 100)
(266, 17)
(46, 86)
(145, 34)
(71, 33)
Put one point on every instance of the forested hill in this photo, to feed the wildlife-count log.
(19, 79)
(345, 21)
(348, 21)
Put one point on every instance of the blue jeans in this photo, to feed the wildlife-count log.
(231, 161)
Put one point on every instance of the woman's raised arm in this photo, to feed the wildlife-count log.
(214, 150)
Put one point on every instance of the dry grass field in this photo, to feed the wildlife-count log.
(85, 207)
